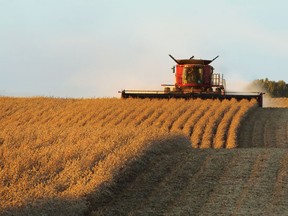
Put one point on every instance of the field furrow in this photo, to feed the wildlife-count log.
(128, 113)
(236, 122)
(173, 116)
(199, 128)
(141, 113)
(166, 114)
(195, 116)
(180, 122)
(220, 140)
(212, 124)
(159, 108)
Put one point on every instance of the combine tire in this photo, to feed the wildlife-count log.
(166, 90)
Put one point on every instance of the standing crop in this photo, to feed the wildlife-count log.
(53, 149)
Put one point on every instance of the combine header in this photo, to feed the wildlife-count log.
(194, 79)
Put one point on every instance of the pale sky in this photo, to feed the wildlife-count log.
(94, 48)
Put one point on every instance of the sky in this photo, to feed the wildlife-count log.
(94, 48)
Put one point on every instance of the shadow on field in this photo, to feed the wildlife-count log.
(108, 193)
(50, 206)
(170, 178)
(104, 201)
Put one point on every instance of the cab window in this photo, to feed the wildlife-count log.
(193, 75)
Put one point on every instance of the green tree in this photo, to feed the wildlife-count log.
(274, 89)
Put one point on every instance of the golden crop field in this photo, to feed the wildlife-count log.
(276, 102)
(118, 157)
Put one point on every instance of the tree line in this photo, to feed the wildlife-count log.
(273, 88)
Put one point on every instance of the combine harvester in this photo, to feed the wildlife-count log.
(194, 79)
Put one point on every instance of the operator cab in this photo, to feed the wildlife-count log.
(192, 75)
(196, 75)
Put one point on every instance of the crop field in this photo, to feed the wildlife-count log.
(276, 102)
(142, 157)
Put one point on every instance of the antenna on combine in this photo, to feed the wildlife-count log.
(173, 59)
(214, 59)
(191, 57)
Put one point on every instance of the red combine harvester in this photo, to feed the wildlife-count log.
(195, 78)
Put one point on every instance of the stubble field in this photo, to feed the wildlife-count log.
(141, 157)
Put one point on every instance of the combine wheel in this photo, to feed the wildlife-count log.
(175, 89)
(166, 90)
(209, 90)
(218, 90)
